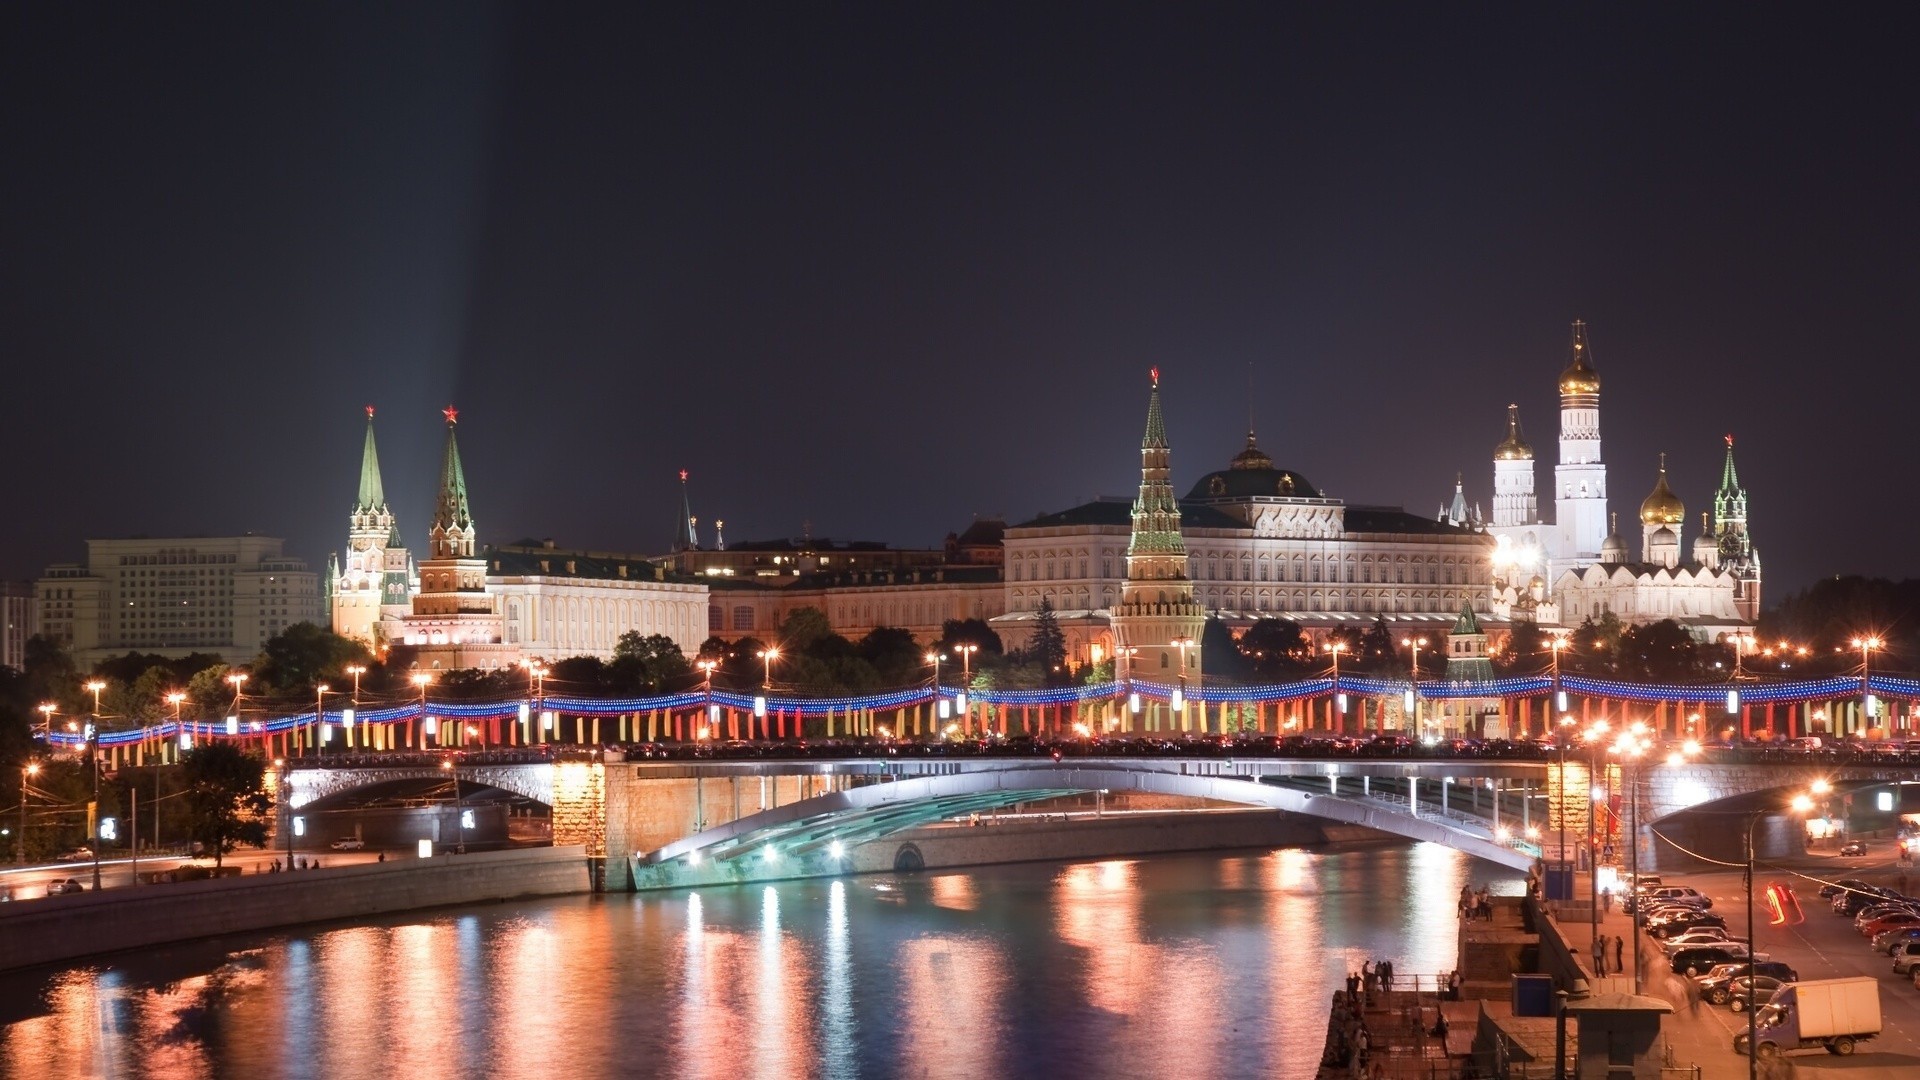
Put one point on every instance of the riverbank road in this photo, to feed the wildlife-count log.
(1817, 943)
(32, 882)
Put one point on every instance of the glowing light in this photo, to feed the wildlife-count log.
(836, 850)
(1820, 787)
(770, 853)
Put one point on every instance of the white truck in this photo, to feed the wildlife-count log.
(1830, 1013)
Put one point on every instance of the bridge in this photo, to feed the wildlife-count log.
(664, 823)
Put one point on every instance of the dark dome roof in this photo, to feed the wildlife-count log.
(1245, 482)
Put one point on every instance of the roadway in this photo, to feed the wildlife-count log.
(1824, 946)
(30, 882)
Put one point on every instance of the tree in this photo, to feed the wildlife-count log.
(1527, 649)
(1220, 656)
(804, 628)
(296, 659)
(227, 800)
(208, 692)
(895, 656)
(1376, 652)
(644, 664)
(1661, 652)
(1048, 645)
(1276, 648)
(969, 632)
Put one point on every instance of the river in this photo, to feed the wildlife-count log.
(1205, 965)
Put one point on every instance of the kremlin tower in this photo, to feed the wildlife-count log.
(376, 580)
(1158, 616)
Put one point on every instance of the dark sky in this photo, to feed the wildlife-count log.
(884, 267)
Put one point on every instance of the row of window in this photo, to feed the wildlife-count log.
(184, 558)
(1438, 572)
(1263, 600)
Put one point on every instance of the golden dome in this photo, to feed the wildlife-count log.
(1513, 447)
(1580, 378)
(1663, 507)
(1251, 458)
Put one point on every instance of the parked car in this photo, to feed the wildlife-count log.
(1889, 921)
(1740, 994)
(1874, 911)
(1701, 958)
(1885, 940)
(1830, 890)
(63, 886)
(1734, 969)
(1674, 925)
(79, 854)
(350, 843)
(1906, 956)
(1680, 894)
(1703, 935)
(1853, 848)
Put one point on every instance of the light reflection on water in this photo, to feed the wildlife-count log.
(1199, 965)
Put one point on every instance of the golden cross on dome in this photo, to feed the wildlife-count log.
(452, 414)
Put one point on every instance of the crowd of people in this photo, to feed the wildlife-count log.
(1475, 905)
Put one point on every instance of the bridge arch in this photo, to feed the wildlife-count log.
(805, 838)
(314, 785)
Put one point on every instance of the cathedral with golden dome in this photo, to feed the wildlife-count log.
(1577, 566)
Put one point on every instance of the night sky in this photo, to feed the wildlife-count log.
(881, 268)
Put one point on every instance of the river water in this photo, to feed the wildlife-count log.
(1217, 964)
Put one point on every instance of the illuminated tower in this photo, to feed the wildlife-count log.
(1580, 480)
(1513, 498)
(686, 535)
(365, 582)
(453, 584)
(1738, 556)
(1157, 611)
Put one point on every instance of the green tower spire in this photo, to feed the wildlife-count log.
(1156, 513)
(372, 496)
(452, 509)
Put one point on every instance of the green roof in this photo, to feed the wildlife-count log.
(1466, 624)
(372, 496)
(452, 510)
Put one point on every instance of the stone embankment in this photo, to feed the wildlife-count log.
(64, 928)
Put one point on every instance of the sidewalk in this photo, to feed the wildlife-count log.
(1695, 1032)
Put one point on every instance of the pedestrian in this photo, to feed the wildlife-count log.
(1606, 901)
(1386, 974)
(1600, 955)
(1619, 950)
(1366, 974)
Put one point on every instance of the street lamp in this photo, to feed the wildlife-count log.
(27, 772)
(238, 680)
(96, 686)
(320, 692)
(459, 810)
(966, 649)
(1334, 649)
(1741, 643)
(1179, 703)
(427, 727)
(767, 656)
(353, 708)
(1413, 680)
(1558, 643)
(1866, 645)
(1123, 659)
(47, 709)
(934, 658)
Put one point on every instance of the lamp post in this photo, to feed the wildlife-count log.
(767, 656)
(238, 680)
(1866, 645)
(1123, 662)
(27, 772)
(1334, 649)
(346, 732)
(96, 686)
(966, 649)
(1594, 795)
(459, 810)
(706, 667)
(421, 679)
(320, 692)
(47, 709)
(1558, 643)
(933, 658)
(1183, 643)
(1413, 678)
(286, 800)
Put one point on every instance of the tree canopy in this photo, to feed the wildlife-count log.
(227, 800)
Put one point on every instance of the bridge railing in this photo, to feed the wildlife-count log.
(1733, 694)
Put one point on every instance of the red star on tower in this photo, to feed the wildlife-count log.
(452, 414)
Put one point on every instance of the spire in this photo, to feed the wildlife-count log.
(1156, 436)
(1580, 378)
(1156, 514)
(372, 497)
(686, 534)
(452, 511)
(1729, 478)
(1466, 623)
(1514, 447)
